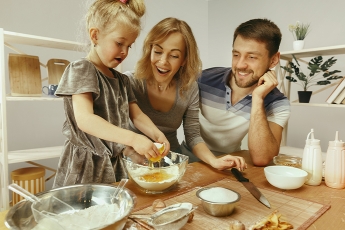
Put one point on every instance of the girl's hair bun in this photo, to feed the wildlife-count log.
(137, 6)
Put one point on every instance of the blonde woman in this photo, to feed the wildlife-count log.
(164, 83)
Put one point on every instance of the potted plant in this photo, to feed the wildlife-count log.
(316, 67)
(299, 32)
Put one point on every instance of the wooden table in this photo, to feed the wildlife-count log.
(200, 174)
(334, 218)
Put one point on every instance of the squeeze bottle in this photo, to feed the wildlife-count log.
(312, 160)
(335, 164)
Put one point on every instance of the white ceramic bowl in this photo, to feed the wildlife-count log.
(285, 177)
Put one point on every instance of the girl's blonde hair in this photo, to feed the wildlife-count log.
(107, 14)
(190, 71)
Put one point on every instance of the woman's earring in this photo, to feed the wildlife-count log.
(94, 45)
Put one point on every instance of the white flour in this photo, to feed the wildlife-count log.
(218, 194)
(94, 217)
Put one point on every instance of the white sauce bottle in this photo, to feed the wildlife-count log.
(335, 164)
(312, 160)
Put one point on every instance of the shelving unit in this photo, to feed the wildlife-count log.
(9, 157)
(284, 85)
(307, 53)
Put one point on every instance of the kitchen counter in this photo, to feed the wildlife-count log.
(200, 174)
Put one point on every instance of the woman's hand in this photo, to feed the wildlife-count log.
(229, 161)
(163, 140)
(144, 146)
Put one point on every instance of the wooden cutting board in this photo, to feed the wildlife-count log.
(25, 75)
(298, 212)
(56, 67)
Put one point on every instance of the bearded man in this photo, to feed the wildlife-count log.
(244, 99)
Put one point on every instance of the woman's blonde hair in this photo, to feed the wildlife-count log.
(107, 14)
(190, 71)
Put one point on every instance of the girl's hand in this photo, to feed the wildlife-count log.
(129, 152)
(144, 146)
(229, 161)
(163, 140)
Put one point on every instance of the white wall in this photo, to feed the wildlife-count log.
(213, 23)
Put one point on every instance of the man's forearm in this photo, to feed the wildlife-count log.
(262, 144)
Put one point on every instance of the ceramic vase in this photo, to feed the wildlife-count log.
(298, 45)
(304, 96)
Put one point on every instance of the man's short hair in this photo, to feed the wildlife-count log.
(261, 30)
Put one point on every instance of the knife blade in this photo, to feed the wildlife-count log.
(250, 187)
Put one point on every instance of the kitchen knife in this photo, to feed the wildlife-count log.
(250, 187)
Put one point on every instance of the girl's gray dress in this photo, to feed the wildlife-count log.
(86, 158)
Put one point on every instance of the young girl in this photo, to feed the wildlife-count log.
(164, 82)
(99, 101)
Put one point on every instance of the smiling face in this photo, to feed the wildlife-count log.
(250, 60)
(112, 48)
(167, 57)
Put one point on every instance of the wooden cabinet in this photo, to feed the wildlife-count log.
(10, 39)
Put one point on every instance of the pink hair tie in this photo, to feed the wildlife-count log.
(124, 1)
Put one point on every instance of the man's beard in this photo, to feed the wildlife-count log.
(252, 81)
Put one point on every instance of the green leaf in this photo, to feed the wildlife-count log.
(291, 79)
(316, 61)
(328, 64)
(323, 82)
(301, 76)
(314, 68)
(326, 74)
(287, 69)
(334, 77)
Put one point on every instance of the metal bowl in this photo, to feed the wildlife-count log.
(218, 201)
(80, 197)
(162, 177)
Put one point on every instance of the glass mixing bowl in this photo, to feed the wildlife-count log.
(288, 160)
(161, 177)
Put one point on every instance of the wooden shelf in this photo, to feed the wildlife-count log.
(10, 98)
(26, 39)
(34, 154)
(285, 88)
(323, 51)
(9, 39)
(319, 105)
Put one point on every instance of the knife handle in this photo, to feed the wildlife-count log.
(239, 175)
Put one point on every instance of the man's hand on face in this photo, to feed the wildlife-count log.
(266, 84)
